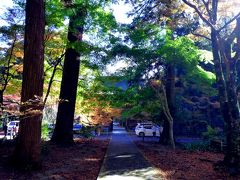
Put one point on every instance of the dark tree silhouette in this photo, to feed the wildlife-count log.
(63, 133)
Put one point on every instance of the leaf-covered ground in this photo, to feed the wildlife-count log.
(81, 161)
(183, 164)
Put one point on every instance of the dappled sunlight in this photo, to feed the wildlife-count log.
(183, 164)
(138, 174)
(91, 159)
(117, 132)
(165, 174)
(124, 161)
(124, 156)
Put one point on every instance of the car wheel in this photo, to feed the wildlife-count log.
(154, 133)
(141, 134)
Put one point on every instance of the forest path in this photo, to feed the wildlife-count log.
(123, 160)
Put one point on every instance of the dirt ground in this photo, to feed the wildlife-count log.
(81, 161)
(183, 164)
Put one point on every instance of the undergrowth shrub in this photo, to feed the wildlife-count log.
(45, 132)
(196, 146)
(86, 131)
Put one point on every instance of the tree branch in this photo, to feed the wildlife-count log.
(232, 36)
(51, 78)
(199, 13)
(214, 10)
(201, 35)
(237, 45)
(6, 80)
(227, 23)
(206, 4)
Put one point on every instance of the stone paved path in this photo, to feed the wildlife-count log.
(123, 161)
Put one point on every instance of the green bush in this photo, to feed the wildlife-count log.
(45, 132)
(86, 131)
(211, 133)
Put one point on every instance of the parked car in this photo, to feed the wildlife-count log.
(12, 128)
(51, 126)
(77, 127)
(115, 123)
(148, 129)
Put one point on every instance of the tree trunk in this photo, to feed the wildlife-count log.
(111, 126)
(227, 91)
(27, 151)
(1, 101)
(1, 98)
(233, 129)
(164, 138)
(167, 134)
(63, 132)
(226, 78)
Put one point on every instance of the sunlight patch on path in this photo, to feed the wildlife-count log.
(140, 174)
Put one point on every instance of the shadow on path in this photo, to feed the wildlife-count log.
(124, 161)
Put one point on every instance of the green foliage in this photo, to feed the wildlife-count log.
(133, 111)
(146, 47)
(140, 36)
(95, 90)
(198, 74)
(180, 51)
(14, 87)
(203, 75)
(86, 131)
(150, 49)
(141, 103)
(55, 13)
(103, 19)
(211, 133)
(202, 79)
(45, 132)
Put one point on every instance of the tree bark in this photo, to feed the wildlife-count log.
(227, 90)
(63, 132)
(1, 98)
(27, 151)
(167, 137)
(111, 126)
(226, 78)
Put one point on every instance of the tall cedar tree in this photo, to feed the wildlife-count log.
(63, 133)
(27, 151)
